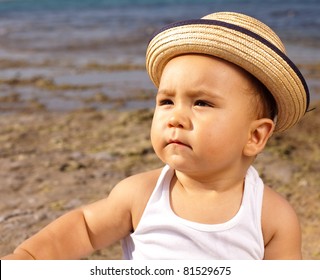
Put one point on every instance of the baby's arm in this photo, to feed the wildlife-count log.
(65, 238)
(82, 231)
(281, 228)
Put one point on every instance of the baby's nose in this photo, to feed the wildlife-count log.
(179, 119)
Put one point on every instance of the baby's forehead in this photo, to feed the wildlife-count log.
(198, 74)
(199, 65)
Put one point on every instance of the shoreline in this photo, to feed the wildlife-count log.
(49, 87)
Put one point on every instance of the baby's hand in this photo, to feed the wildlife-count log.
(18, 255)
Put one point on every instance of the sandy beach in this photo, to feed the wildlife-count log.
(75, 116)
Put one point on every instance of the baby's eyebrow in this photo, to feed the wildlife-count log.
(192, 93)
(205, 94)
(165, 93)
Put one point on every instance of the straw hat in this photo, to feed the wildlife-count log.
(244, 41)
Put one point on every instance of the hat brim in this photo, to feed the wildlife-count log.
(242, 47)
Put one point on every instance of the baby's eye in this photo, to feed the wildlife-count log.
(202, 103)
(165, 102)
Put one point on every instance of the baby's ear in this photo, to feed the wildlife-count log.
(259, 133)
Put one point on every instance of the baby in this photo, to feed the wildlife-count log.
(225, 86)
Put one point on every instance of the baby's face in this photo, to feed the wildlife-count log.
(202, 118)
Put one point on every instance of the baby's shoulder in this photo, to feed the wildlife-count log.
(139, 187)
(137, 190)
(278, 216)
(275, 204)
(141, 182)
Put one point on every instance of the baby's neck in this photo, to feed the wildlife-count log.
(205, 203)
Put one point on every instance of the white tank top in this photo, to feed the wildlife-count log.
(161, 234)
